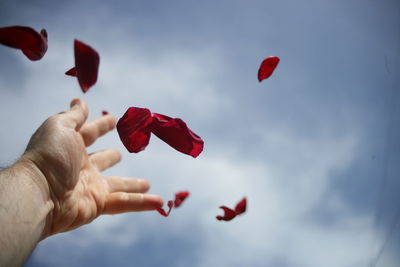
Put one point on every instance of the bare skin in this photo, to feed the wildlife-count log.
(56, 186)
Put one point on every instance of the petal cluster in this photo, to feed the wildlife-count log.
(229, 214)
(137, 124)
(179, 198)
(166, 213)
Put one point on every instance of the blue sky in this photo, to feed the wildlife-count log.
(315, 148)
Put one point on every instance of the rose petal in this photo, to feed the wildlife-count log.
(176, 134)
(135, 126)
(163, 212)
(229, 214)
(241, 206)
(71, 72)
(104, 112)
(38, 51)
(267, 67)
(180, 197)
(134, 129)
(87, 65)
(32, 44)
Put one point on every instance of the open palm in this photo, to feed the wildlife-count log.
(78, 191)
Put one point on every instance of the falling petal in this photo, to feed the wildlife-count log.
(267, 67)
(87, 62)
(134, 129)
(31, 43)
(241, 206)
(175, 133)
(228, 214)
(180, 197)
(163, 212)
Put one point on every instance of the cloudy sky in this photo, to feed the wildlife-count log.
(315, 148)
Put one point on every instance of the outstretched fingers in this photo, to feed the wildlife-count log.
(92, 130)
(121, 202)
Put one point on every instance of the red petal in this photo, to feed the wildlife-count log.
(228, 214)
(87, 65)
(134, 129)
(241, 206)
(104, 112)
(163, 212)
(180, 197)
(176, 134)
(31, 43)
(267, 67)
(71, 72)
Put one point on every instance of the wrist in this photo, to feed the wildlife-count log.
(39, 190)
(26, 210)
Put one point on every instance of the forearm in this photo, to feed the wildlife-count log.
(25, 206)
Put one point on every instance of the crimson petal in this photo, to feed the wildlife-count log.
(180, 197)
(163, 212)
(229, 214)
(134, 129)
(241, 206)
(87, 62)
(32, 44)
(175, 133)
(267, 67)
(104, 112)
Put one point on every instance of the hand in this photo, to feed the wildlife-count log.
(71, 177)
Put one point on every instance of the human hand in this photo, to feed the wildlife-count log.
(71, 177)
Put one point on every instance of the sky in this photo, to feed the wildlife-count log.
(315, 148)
